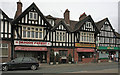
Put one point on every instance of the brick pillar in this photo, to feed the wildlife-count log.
(75, 56)
(48, 56)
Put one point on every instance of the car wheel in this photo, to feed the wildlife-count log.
(33, 67)
(5, 68)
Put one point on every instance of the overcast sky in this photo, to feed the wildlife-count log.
(98, 9)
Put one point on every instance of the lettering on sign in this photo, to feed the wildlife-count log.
(32, 43)
(84, 45)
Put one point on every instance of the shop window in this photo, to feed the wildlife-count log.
(63, 52)
(4, 50)
(87, 54)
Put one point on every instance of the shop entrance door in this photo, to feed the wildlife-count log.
(80, 57)
(42, 57)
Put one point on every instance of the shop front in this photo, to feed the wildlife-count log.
(38, 50)
(108, 54)
(84, 54)
(63, 53)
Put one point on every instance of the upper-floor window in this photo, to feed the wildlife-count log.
(33, 15)
(86, 37)
(4, 50)
(60, 36)
(32, 32)
(51, 22)
(88, 24)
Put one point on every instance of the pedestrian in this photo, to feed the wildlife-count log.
(112, 57)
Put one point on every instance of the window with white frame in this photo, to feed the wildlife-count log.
(4, 50)
(32, 32)
(86, 37)
(33, 15)
(88, 24)
(60, 36)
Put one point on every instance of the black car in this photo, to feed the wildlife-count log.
(21, 62)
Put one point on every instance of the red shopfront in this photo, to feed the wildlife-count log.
(84, 55)
(36, 49)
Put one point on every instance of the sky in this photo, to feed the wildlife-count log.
(98, 9)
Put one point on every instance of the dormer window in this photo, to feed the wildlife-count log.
(88, 24)
(32, 15)
(51, 22)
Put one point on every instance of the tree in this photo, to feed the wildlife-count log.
(70, 58)
(57, 57)
(52, 56)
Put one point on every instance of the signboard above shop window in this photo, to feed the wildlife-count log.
(32, 43)
(84, 45)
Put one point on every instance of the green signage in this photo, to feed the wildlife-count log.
(108, 48)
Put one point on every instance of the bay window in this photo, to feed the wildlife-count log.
(32, 32)
(60, 36)
(86, 37)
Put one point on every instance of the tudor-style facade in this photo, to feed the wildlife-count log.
(30, 31)
(5, 35)
(36, 35)
(106, 41)
(85, 45)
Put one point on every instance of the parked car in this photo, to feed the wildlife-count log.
(21, 62)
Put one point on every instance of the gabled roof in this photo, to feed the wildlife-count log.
(117, 34)
(33, 5)
(81, 23)
(62, 22)
(3, 13)
(100, 24)
(50, 17)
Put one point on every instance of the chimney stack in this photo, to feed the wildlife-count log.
(66, 16)
(82, 16)
(19, 9)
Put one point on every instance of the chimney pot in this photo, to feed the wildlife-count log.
(82, 16)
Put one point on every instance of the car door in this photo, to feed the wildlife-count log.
(26, 62)
(16, 63)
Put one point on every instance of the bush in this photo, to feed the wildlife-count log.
(52, 56)
(70, 58)
(57, 57)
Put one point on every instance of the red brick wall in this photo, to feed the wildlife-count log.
(104, 60)
(87, 60)
(5, 59)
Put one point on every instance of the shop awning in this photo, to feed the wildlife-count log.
(31, 48)
(85, 50)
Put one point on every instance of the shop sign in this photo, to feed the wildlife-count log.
(108, 48)
(32, 43)
(84, 45)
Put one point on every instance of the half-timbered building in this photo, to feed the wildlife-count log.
(62, 36)
(36, 35)
(74, 37)
(85, 44)
(106, 41)
(30, 29)
(5, 37)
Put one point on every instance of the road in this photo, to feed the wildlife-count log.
(73, 68)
